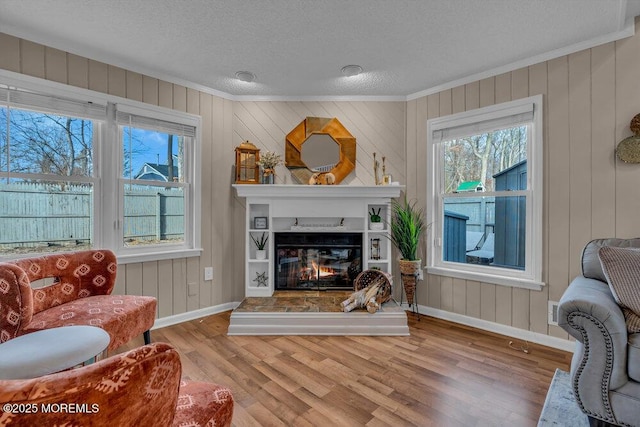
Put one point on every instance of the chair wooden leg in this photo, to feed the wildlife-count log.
(147, 337)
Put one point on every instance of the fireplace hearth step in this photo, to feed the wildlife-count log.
(391, 320)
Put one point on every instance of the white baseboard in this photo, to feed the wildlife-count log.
(486, 325)
(510, 331)
(192, 315)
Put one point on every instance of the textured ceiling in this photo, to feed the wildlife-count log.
(296, 48)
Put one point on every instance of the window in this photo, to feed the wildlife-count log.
(47, 168)
(486, 193)
(155, 182)
(76, 174)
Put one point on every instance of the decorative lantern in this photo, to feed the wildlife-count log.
(247, 167)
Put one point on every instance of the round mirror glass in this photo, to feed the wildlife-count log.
(320, 152)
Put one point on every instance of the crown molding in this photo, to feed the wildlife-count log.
(627, 31)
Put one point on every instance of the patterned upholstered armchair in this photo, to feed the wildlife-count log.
(79, 295)
(140, 388)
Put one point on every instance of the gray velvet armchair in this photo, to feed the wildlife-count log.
(605, 370)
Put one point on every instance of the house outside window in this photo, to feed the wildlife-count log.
(76, 174)
(486, 194)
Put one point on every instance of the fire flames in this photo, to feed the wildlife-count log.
(317, 272)
(322, 271)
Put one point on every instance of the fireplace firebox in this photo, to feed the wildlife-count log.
(317, 261)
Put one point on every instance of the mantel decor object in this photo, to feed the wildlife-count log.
(386, 178)
(247, 164)
(269, 161)
(320, 151)
(376, 165)
(628, 149)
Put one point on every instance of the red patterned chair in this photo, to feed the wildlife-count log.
(79, 295)
(138, 388)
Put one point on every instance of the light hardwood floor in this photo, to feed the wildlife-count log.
(444, 374)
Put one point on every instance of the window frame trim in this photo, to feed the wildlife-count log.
(106, 146)
(531, 277)
(192, 241)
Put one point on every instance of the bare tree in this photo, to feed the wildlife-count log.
(45, 143)
(481, 148)
(479, 157)
(4, 147)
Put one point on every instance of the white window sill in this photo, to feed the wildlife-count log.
(157, 256)
(514, 282)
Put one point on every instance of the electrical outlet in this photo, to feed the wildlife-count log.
(208, 273)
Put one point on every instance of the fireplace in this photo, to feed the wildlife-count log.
(317, 261)
(333, 222)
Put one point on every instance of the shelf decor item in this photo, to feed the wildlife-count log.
(260, 223)
(269, 161)
(247, 164)
(375, 220)
(375, 248)
(407, 227)
(260, 243)
(261, 279)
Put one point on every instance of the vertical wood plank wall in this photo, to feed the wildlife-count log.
(168, 279)
(589, 99)
(377, 126)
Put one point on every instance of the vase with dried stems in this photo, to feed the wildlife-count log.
(269, 160)
(405, 232)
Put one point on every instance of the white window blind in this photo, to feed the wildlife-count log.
(445, 130)
(49, 104)
(124, 118)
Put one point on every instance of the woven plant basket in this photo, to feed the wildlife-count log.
(409, 274)
(373, 277)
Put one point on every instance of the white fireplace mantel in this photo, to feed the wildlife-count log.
(276, 208)
(314, 191)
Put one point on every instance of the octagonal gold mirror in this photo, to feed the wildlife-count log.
(319, 146)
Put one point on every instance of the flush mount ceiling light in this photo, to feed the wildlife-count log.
(351, 70)
(245, 76)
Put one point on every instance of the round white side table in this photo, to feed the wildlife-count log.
(50, 350)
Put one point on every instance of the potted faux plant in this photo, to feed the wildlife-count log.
(269, 160)
(375, 220)
(405, 231)
(261, 243)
